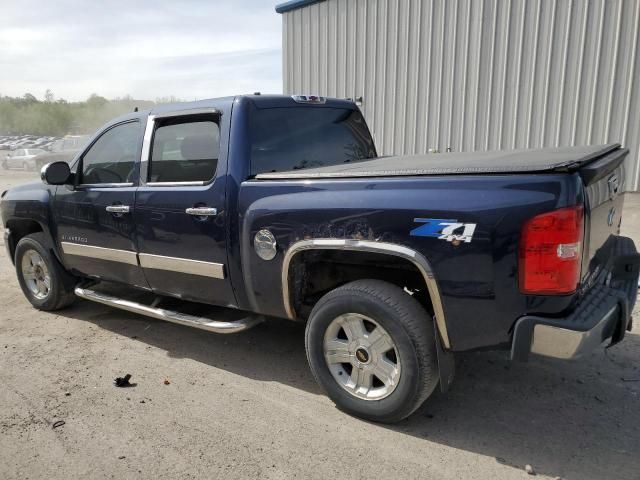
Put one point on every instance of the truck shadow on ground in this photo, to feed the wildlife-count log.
(576, 420)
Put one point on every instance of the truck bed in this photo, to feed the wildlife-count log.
(560, 159)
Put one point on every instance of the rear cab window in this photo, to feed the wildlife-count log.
(294, 138)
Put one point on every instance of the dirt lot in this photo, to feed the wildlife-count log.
(246, 406)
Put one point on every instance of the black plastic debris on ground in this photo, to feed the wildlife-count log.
(123, 382)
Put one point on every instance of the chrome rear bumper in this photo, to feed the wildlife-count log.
(603, 313)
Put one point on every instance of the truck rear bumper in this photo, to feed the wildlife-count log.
(603, 313)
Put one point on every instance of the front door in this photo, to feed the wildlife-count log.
(179, 210)
(94, 218)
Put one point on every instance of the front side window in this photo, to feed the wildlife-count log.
(111, 159)
(184, 151)
(306, 137)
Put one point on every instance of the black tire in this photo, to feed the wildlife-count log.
(60, 293)
(408, 325)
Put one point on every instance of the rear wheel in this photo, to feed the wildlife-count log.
(43, 280)
(371, 346)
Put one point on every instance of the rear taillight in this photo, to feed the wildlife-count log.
(551, 252)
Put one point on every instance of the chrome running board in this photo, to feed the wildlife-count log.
(170, 315)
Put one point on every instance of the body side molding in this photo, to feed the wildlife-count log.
(182, 265)
(421, 263)
(100, 253)
(146, 260)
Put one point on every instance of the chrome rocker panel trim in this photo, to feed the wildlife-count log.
(182, 265)
(170, 315)
(421, 263)
(100, 253)
(146, 260)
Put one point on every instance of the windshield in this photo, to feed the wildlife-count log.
(306, 137)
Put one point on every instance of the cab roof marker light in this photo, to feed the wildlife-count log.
(309, 99)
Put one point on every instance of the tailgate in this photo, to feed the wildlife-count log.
(604, 185)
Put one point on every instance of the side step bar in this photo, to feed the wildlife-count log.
(169, 315)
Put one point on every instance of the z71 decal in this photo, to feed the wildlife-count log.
(443, 229)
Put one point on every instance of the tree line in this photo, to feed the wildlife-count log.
(58, 117)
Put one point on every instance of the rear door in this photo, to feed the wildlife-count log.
(180, 206)
(94, 219)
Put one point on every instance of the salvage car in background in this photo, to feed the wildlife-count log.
(23, 158)
(62, 150)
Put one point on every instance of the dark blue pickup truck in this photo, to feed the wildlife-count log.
(276, 206)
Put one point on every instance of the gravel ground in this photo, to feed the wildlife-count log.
(246, 406)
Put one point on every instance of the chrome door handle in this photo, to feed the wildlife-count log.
(118, 208)
(202, 211)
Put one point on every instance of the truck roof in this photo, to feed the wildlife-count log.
(499, 161)
(258, 100)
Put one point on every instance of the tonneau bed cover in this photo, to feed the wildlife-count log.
(560, 159)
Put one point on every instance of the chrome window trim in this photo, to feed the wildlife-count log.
(105, 185)
(146, 150)
(198, 183)
(421, 263)
(100, 253)
(182, 265)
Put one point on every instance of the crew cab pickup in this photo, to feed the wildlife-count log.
(276, 206)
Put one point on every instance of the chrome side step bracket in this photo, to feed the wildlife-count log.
(170, 315)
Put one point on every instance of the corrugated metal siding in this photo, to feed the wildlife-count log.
(476, 74)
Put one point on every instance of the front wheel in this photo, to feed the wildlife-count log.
(371, 346)
(43, 280)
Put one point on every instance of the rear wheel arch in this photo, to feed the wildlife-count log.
(395, 256)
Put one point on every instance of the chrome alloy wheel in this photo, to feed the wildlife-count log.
(361, 356)
(36, 274)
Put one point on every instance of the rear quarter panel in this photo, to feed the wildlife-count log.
(478, 280)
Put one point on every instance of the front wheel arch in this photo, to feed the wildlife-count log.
(60, 284)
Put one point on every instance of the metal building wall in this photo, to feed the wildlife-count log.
(475, 74)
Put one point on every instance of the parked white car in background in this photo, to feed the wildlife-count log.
(23, 158)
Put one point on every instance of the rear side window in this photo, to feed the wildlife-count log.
(307, 137)
(185, 151)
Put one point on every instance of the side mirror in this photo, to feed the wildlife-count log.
(55, 173)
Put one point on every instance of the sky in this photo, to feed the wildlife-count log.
(147, 49)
